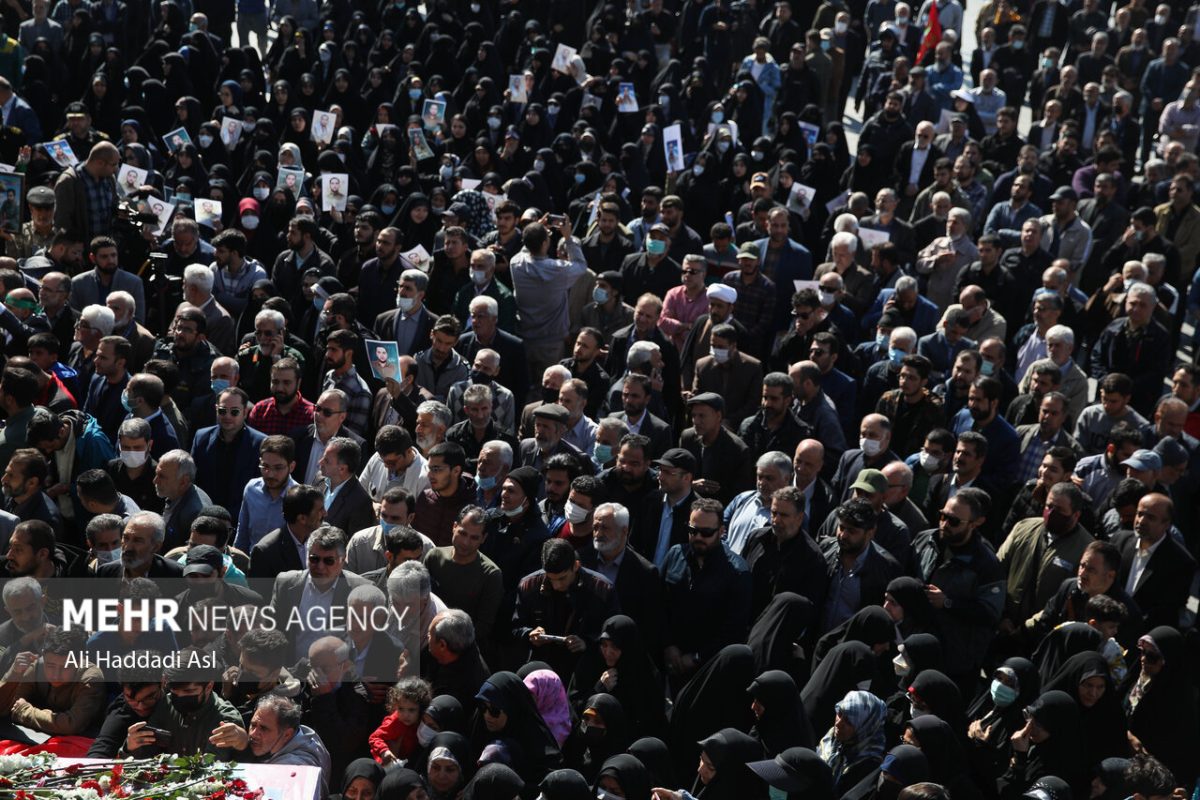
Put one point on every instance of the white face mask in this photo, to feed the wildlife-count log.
(479, 277)
(929, 462)
(249, 222)
(425, 734)
(575, 514)
(133, 458)
(720, 354)
(840, 27)
(864, 685)
(107, 556)
(827, 298)
(918, 712)
(900, 664)
(870, 447)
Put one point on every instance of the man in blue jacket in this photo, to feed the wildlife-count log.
(226, 454)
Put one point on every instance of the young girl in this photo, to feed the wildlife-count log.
(395, 740)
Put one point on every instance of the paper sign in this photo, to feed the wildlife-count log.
(802, 285)
(164, 210)
(231, 131)
(176, 139)
(419, 258)
(516, 89)
(493, 200)
(871, 237)
(589, 100)
(208, 212)
(803, 194)
(130, 179)
(292, 179)
(433, 113)
(943, 123)
(673, 146)
(322, 126)
(334, 186)
(470, 183)
(811, 132)
(420, 145)
(562, 58)
(838, 201)
(626, 98)
(7, 168)
(61, 153)
(385, 359)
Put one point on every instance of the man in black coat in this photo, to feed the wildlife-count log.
(858, 570)
(451, 662)
(654, 529)
(282, 549)
(636, 580)
(485, 333)
(724, 463)
(410, 327)
(782, 558)
(1155, 569)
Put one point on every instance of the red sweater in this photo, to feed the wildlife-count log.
(394, 736)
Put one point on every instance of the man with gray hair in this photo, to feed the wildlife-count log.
(1137, 345)
(198, 291)
(141, 550)
(256, 362)
(503, 307)
(347, 504)
(304, 599)
(174, 482)
(488, 328)
(455, 665)
(413, 605)
(25, 604)
(276, 736)
(945, 258)
(485, 372)
(409, 324)
(858, 284)
(480, 425)
(751, 509)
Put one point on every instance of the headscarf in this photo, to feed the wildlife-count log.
(1161, 709)
(630, 773)
(493, 782)
(909, 594)
(848, 666)
(398, 783)
(653, 753)
(730, 751)
(903, 766)
(551, 699)
(702, 706)
(639, 688)
(1062, 753)
(1111, 773)
(525, 725)
(778, 628)
(1002, 722)
(871, 626)
(1104, 722)
(921, 651)
(947, 759)
(866, 713)
(479, 222)
(448, 713)
(783, 723)
(566, 784)
(942, 697)
(362, 768)
(1063, 642)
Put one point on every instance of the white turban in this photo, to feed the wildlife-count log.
(723, 292)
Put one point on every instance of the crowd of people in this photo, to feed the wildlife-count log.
(683, 452)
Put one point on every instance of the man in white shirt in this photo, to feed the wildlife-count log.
(395, 461)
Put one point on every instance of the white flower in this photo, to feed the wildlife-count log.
(11, 764)
(80, 794)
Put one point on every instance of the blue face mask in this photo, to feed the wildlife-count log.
(987, 368)
(219, 385)
(580, 177)
(602, 453)
(126, 403)
(486, 484)
(881, 340)
(656, 247)
(600, 295)
(777, 794)
(895, 356)
(387, 527)
(1003, 696)
(717, 117)
(826, 44)
(388, 208)
(318, 303)
(414, 94)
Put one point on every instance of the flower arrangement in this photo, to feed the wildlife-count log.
(165, 777)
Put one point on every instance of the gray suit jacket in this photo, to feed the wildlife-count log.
(85, 290)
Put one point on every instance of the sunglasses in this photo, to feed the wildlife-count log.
(704, 533)
(949, 519)
(329, 561)
(328, 412)
(491, 710)
(222, 411)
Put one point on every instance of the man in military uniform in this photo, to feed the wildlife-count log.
(35, 235)
(80, 134)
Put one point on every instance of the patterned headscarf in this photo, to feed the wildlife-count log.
(866, 713)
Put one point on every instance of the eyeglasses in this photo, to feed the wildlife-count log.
(187, 331)
(329, 412)
(264, 467)
(222, 411)
(328, 561)
(949, 519)
(703, 533)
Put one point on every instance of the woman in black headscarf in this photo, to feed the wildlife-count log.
(944, 749)
(566, 784)
(905, 600)
(400, 784)
(653, 753)
(1063, 642)
(448, 763)
(1051, 743)
(187, 165)
(867, 174)
(903, 766)
(849, 666)
(777, 633)
(507, 709)
(444, 714)
(996, 714)
(624, 776)
(625, 670)
(702, 706)
(417, 222)
(932, 692)
(872, 626)
(493, 782)
(1160, 705)
(1086, 678)
(723, 774)
(780, 719)
(362, 774)
(602, 732)
(835, 137)
(917, 653)
(700, 189)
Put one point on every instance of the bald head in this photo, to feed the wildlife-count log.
(808, 462)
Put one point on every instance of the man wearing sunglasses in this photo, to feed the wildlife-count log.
(226, 454)
(708, 593)
(964, 582)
